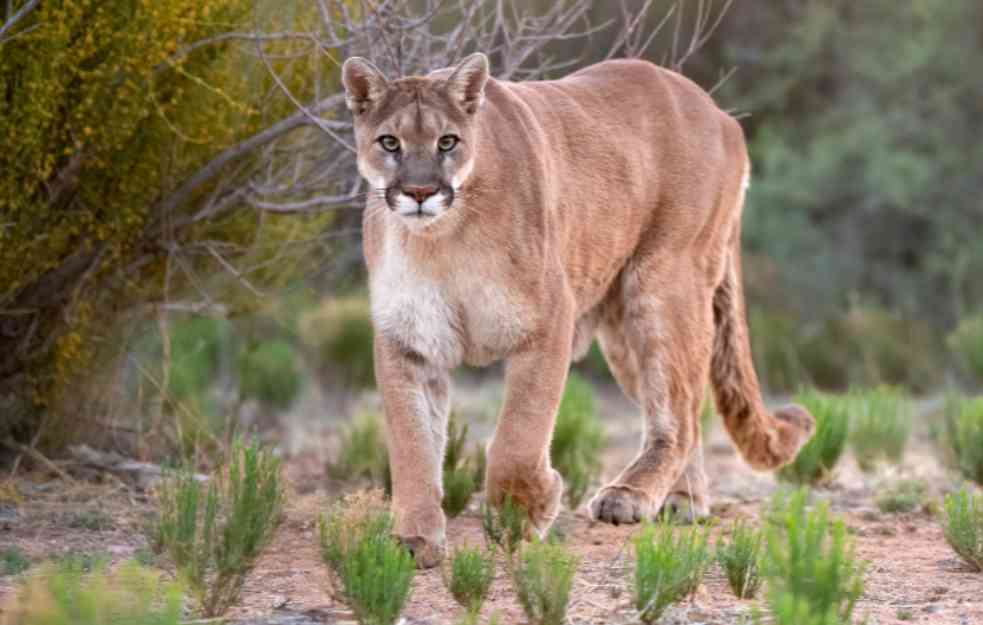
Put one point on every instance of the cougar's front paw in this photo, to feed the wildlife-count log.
(427, 553)
(422, 532)
(538, 494)
(617, 504)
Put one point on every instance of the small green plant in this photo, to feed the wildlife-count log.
(270, 372)
(215, 536)
(966, 343)
(819, 456)
(65, 593)
(356, 518)
(542, 579)
(472, 571)
(375, 579)
(459, 487)
(371, 572)
(902, 496)
(809, 566)
(904, 614)
(669, 566)
(362, 454)
(740, 558)
(460, 479)
(578, 439)
(13, 561)
(962, 526)
(880, 426)
(963, 435)
(506, 526)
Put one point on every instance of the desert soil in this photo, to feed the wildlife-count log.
(911, 572)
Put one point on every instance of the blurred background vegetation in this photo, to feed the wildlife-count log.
(179, 247)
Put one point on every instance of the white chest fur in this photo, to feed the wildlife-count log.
(464, 318)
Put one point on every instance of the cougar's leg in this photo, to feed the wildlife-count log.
(670, 328)
(617, 351)
(416, 399)
(519, 453)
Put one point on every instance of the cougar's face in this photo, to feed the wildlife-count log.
(416, 136)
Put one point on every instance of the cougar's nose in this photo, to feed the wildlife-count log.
(420, 194)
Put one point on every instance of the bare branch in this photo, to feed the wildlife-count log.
(19, 15)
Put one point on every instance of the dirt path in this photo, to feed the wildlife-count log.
(911, 572)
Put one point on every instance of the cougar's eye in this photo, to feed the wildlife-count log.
(389, 143)
(447, 143)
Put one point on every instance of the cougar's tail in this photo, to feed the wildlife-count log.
(765, 441)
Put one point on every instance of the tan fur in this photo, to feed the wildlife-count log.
(604, 203)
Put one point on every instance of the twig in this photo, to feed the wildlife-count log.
(18, 16)
(39, 457)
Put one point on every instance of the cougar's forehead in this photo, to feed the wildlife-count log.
(416, 108)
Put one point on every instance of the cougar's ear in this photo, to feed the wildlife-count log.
(364, 84)
(467, 84)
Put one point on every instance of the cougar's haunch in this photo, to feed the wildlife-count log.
(516, 221)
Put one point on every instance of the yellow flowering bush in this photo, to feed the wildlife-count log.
(106, 110)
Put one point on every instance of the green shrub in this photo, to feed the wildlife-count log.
(270, 373)
(775, 339)
(819, 456)
(340, 335)
(866, 346)
(362, 454)
(197, 345)
(66, 593)
(962, 525)
(669, 566)
(963, 435)
(902, 496)
(358, 517)
(459, 486)
(460, 478)
(372, 573)
(179, 379)
(13, 561)
(543, 579)
(871, 346)
(578, 440)
(505, 526)
(966, 344)
(880, 423)
(740, 558)
(375, 579)
(115, 113)
(215, 538)
(809, 565)
(472, 572)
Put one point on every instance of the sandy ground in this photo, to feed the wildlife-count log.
(911, 571)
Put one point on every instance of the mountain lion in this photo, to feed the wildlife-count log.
(516, 221)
